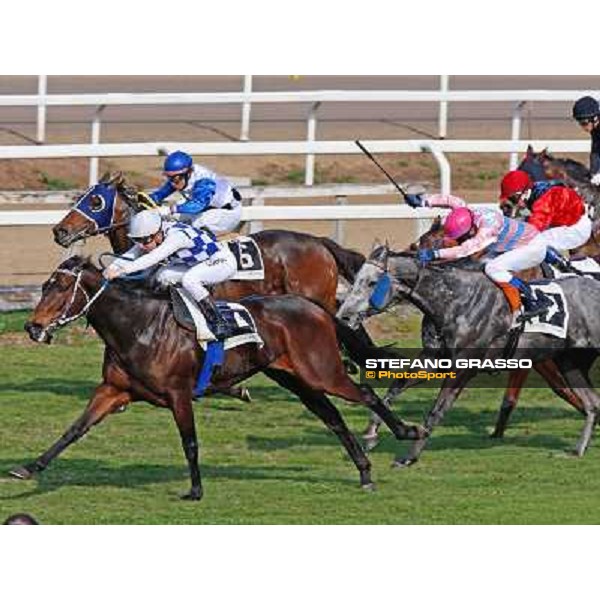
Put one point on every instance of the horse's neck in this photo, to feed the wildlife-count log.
(116, 317)
(119, 240)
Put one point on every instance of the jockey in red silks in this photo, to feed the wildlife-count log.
(555, 210)
(503, 239)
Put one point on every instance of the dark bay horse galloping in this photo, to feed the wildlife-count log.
(149, 357)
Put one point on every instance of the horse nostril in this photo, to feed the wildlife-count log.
(33, 329)
(60, 234)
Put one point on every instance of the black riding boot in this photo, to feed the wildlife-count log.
(216, 322)
(556, 259)
(532, 307)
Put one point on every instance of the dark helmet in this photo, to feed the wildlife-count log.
(586, 108)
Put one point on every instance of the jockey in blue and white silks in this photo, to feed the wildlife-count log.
(193, 258)
(211, 202)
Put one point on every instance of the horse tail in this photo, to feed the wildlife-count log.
(348, 261)
(359, 348)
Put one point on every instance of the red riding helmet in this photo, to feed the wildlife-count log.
(513, 183)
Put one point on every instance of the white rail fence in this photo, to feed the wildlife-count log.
(338, 211)
(437, 148)
(246, 98)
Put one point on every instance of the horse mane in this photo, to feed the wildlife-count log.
(139, 288)
(465, 263)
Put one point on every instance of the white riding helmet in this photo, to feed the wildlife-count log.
(145, 223)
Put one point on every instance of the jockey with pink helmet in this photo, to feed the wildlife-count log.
(503, 239)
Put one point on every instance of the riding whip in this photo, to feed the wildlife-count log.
(369, 155)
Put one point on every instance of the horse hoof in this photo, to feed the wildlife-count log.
(497, 435)
(370, 442)
(403, 463)
(194, 495)
(21, 473)
(368, 487)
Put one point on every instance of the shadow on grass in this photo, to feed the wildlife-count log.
(60, 387)
(97, 473)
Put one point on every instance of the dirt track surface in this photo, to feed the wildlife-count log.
(27, 253)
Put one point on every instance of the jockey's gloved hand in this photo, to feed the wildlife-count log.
(595, 180)
(426, 255)
(112, 272)
(164, 211)
(415, 200)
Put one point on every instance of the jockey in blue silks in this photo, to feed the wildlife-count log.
(211, 202)
(193, 258)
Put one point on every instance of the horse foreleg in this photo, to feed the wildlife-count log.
(106, 399)
(371, 433)
(511, 397)
(451, 389)
(181, 407)
(321, 406)
(580, 386)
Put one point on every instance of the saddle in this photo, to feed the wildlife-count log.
(190, 317)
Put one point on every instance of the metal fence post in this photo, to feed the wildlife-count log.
(246, 106)
(311, 130)
(515, 133)
(41, 108)
(443, 114)
(95, 139)
(338, 231)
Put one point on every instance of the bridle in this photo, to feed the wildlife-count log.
(64, 317)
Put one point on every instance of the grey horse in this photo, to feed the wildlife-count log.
(469, 317)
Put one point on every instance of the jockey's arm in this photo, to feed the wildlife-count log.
(128, 257)
(541, 213)
(173, 242)
(202, 192)
(164, 191)
(444, 201)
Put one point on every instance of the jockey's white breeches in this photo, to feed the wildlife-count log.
(568, 238)
(503, 267)
(219, 267)
(219, 220)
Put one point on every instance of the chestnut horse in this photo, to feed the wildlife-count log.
(300, 352)
(294, 263)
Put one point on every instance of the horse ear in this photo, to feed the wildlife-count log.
(530, 151)
(117, 178)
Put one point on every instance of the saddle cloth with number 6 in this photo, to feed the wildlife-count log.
(248, 257)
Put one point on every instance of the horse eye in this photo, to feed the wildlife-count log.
(97, 203)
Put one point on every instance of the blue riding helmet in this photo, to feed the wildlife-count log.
(177, 162)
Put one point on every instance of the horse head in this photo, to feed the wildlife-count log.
(105, 207)
(357, 305)
(535, 164)
(66, 296)
(433, 238)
